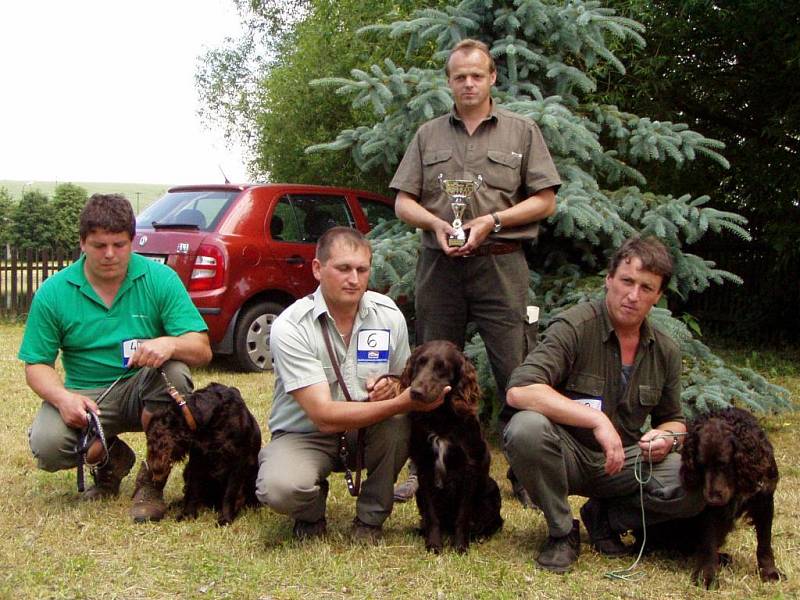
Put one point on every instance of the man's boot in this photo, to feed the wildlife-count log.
(109, 473)
(148, 499)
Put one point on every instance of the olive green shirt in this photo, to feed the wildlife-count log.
(579, 356)
(507, 150)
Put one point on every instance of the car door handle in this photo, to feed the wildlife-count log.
(296, 260)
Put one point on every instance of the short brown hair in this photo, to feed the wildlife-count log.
(468, 45)
(110, 212)
(353, 238)
(651, 251)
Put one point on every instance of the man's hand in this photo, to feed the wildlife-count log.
(443, 230)
(655, 448)
(73, 408)
(385, 388)
(479, 229)
(610, 442)
(153, 353)
(428, 406)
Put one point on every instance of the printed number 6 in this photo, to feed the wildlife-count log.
(371, 341)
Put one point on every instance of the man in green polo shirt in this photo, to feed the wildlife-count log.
(583, 396)
(118, 320)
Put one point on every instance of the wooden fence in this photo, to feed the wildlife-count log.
(23, 271)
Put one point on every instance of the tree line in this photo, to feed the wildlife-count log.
(37, 222)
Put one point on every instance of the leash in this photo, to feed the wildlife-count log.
(180, 401)
(630, 574)
(93, 429)
(353, 484)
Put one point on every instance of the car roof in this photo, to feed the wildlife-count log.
(247, 186)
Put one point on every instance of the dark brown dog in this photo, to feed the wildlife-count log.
(456, 495)
(223, 451)
(726, 454)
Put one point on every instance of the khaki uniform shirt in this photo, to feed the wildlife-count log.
(579, 356)
(378, 345)
(507, 150)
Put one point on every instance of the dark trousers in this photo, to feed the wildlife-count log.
(490, 291)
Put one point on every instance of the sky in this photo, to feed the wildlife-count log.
(103, 90)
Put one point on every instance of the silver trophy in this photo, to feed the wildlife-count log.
(460, 192)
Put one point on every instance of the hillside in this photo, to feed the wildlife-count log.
(139, 194)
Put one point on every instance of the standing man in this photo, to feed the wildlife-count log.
(369, 338)
(583, 397)
(118, 320)
(485, 280)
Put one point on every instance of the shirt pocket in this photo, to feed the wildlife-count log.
(503, 170)
(435, 163)
(648, 395)
(585, 385)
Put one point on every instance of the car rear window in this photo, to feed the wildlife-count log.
(201, 209)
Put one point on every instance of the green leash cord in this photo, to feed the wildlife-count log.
(629, 574)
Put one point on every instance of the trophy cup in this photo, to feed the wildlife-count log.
(459, 191)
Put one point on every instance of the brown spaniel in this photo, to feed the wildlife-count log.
(456, 495)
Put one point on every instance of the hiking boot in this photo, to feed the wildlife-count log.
(308, 530)
(594, 515)
(559, 553)
(148, 499)
(364, 533)
(109, 473)
(520, 493)
(403, 492)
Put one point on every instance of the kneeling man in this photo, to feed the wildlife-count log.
(583, 396)
(369, 338)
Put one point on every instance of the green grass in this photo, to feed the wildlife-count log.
(140, 195)
(54, 546)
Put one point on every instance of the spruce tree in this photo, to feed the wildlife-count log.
(550, 57)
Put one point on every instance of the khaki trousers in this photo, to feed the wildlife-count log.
(53, 442)
(294, 468)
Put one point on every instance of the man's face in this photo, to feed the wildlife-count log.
(107, 256)
(470, 79)
(630, 293)
(344, 276)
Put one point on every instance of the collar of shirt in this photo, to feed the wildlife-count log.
(319, 307)
(137, 267)
(646, 335)
(457, 120)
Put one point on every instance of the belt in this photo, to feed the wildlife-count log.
(496, 248)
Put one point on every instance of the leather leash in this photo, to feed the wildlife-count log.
(353, 486)
(93, 429)
(180, 401)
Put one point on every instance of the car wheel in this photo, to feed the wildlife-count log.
(251, 340)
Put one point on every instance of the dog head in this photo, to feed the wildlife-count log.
(439, 363)
(728, 455)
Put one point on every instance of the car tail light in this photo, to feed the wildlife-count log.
(209, 269)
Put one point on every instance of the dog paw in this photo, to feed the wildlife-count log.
(771, 574)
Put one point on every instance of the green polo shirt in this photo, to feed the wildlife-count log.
(579, 356)
(68, 315)
(507, 150)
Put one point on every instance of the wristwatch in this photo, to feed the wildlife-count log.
(497, 224)
(675, 444)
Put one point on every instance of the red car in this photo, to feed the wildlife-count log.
(244, 252)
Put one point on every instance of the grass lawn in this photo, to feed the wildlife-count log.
(54, 546)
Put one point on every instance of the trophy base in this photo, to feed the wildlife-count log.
(454, 242)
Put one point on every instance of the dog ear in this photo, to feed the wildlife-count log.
(408, 373)
(689, 473)
(465, 397)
